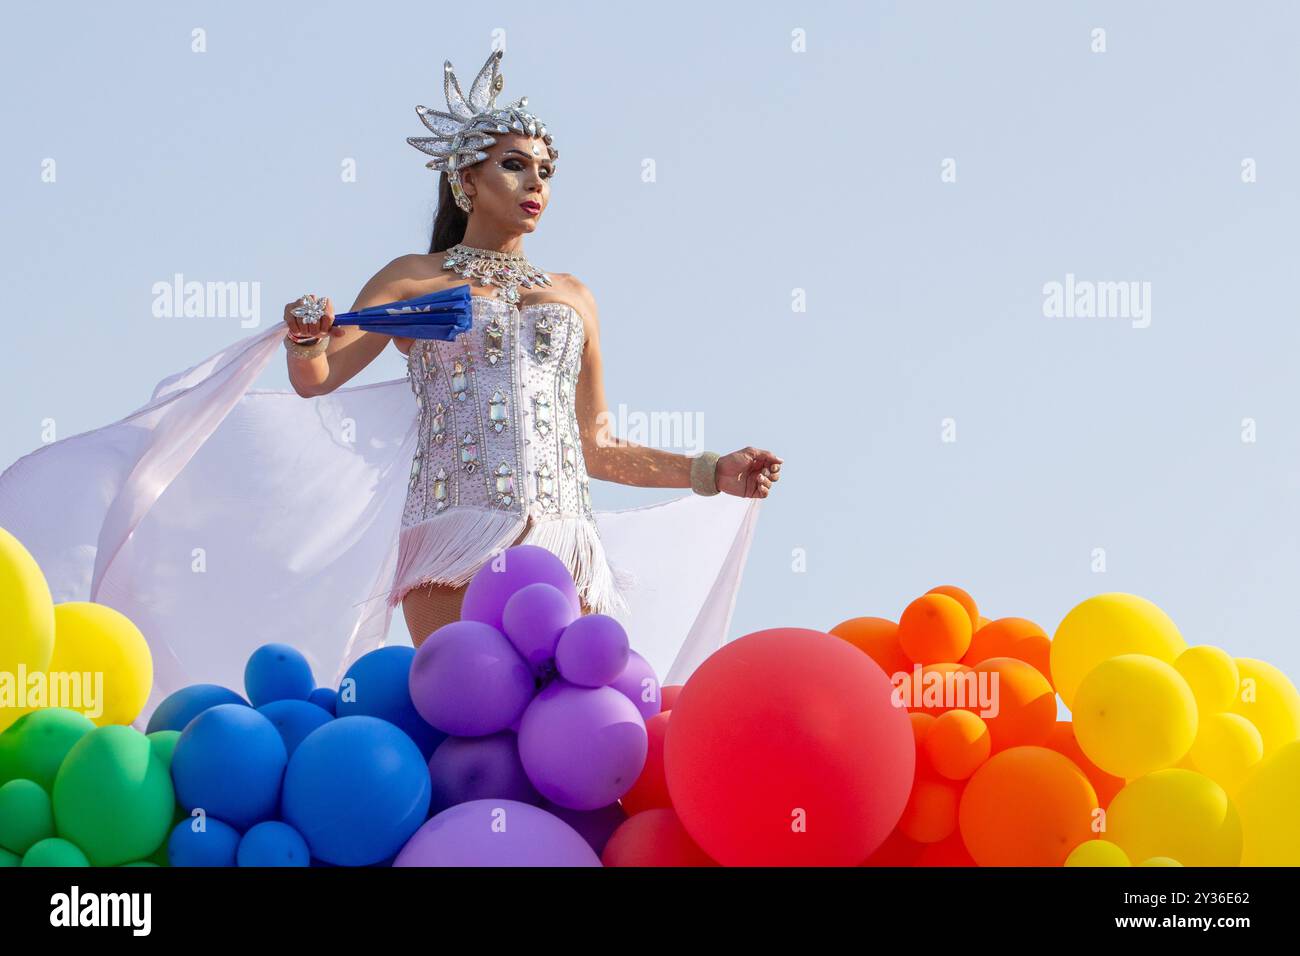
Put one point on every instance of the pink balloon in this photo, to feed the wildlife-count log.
(582, 747)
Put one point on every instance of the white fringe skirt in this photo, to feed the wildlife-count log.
(450, 548)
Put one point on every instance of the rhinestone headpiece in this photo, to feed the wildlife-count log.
(462, 133)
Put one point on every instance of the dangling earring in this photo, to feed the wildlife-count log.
(462, 200)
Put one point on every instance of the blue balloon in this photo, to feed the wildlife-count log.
(326, 698)
(230, 761)
(294, 719)
(214, 845)
(379, 685)
(180, 708)
(356, 789)
(277, 672)
(273, 843)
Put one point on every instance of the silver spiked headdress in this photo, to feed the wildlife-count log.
(462, 133)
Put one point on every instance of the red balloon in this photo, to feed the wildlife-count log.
(948, 852)
(653, 838)
(651, 788)
(785, 749)
(668, 696)
(897, 850)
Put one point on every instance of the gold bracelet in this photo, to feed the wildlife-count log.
(306, 351)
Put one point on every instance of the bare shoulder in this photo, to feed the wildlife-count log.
(575, 292)
(405, 276)
(412, 267)
(393, 273)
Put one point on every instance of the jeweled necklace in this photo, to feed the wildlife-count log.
(508, 271)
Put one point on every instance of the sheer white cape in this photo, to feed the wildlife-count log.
(219, 517)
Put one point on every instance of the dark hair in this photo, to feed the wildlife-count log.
(449, 221)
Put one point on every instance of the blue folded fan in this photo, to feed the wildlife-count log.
(439, 315)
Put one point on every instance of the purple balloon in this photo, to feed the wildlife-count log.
(593, 651)
(640, 685)
(477, 768)
(533, 619)
(496, 833)
(469, 681)
(515, 568)
(596, 826)
(582, 747)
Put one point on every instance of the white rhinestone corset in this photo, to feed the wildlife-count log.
(498, 428)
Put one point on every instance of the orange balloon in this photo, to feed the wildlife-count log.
(1062, 741)
(651, 788)
(935, 695)
(1036, 651)
(957, 743)
(963, 598)
(999, 638)
(897, 850)
(653, 838)
(1024, 701)
(921, 723)
(950, 851)
(1027, 806)
(934, 628)
(878, 639)
(931, 811)
(668, 697)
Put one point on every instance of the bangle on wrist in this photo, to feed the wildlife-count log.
(704, 479)
(306, 349)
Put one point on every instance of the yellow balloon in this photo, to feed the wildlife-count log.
(26, 624)
(1270, 810)
(1179, 814)
(1103, 627)
(1269, 700)
(1227, 748)
(1160, 861)
(1097, 853)
(95, 639)
(1212, 674)
(1134, 714)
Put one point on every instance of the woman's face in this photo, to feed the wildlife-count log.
(513, 185)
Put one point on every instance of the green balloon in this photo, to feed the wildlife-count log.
(35, 744)
(26, 815)
(113, 797)
(140, 863)
(9, 859)
(54, 852)
(164, 745)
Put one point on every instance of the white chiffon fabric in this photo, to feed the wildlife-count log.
(219, 517)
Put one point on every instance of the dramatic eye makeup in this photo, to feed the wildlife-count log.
(547, 168)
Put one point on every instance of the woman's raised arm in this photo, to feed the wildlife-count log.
(350, 349)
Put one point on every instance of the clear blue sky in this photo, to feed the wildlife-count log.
(776, 171)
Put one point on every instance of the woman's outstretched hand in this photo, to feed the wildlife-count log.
(748, 473)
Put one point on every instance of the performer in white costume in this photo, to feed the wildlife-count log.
(221, 517)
